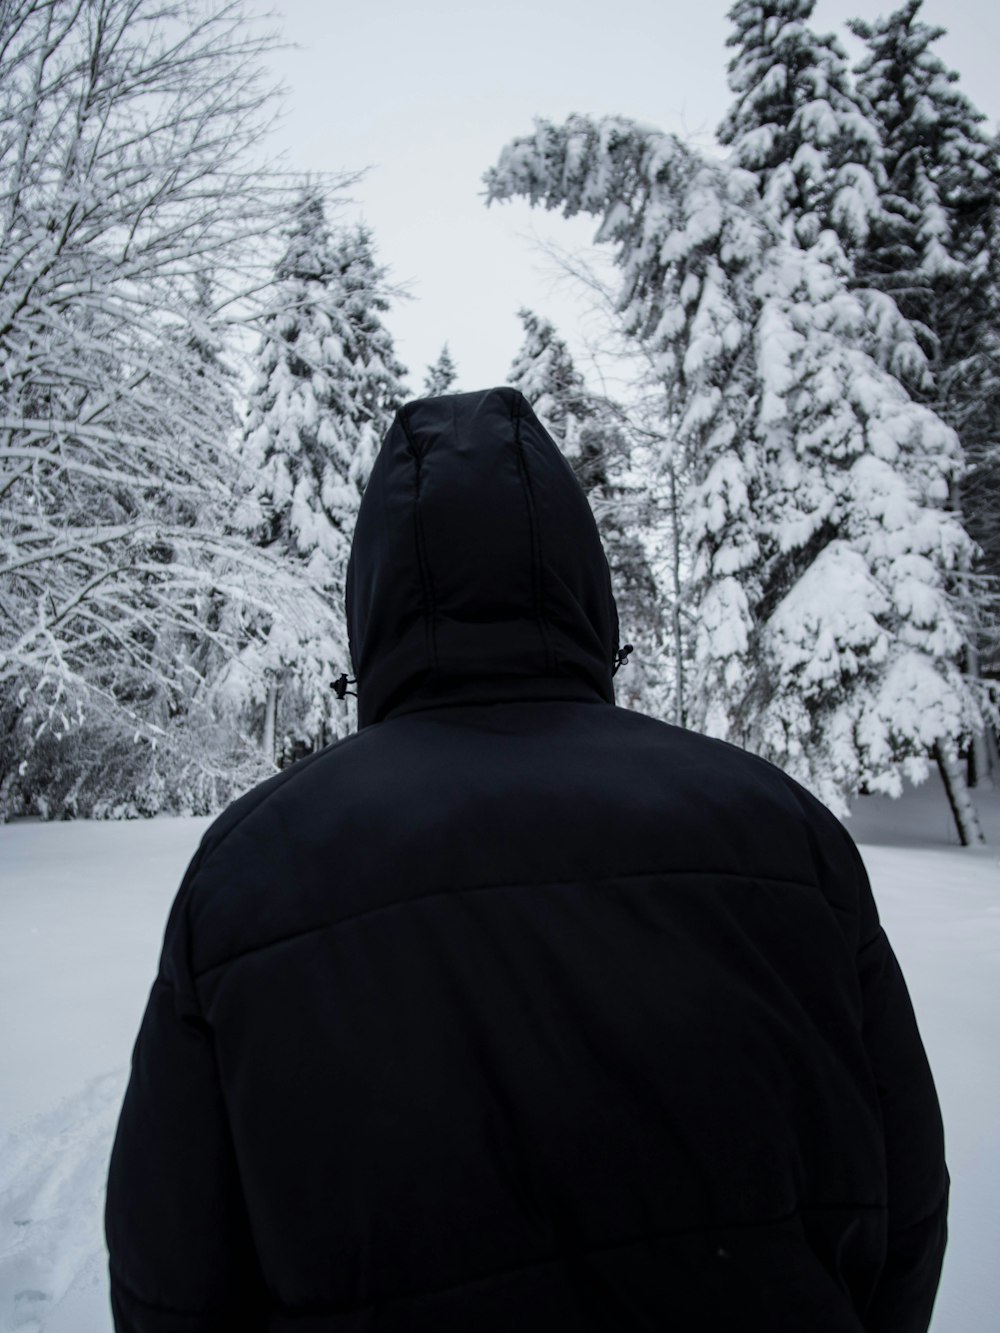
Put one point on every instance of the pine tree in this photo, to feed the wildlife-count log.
(441, 376)
(371, 373)
(543, 370)
(815, 512)
(940, 177)
(811, 141)
(798, 125)
(588, 430)
(326, 387)
(936, 251)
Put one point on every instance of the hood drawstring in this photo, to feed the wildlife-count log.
(339, 686)
(621, 657)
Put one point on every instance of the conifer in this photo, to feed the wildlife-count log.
(798, 125)
(441, 376)
(590, 433)
(327, 385)
(815, 512)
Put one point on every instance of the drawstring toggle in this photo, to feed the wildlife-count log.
(339, 686)
(621, 657)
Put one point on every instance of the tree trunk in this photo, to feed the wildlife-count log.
(980, 767)
(962, 807)
(992, 757)
(680, 710)
(270, 716)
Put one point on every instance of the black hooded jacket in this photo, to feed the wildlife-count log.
(517, 1010)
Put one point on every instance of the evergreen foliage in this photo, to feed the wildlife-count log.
(798, 125)
(543, 370)
(589, 431)
(816, 514)
(936, 251)
(441, 376)
(326, 387)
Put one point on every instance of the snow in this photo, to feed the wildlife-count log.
(82, 910)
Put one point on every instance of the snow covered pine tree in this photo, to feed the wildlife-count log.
(798, 125)
(936, 250)
(812, 141)
(588, 429)
(822, 546)
(441, 376)
(327, 386)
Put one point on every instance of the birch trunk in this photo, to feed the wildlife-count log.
(962, 808)
(680, 711)
(270, 715)
(980, 765)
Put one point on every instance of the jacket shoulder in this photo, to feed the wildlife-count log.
(242, 833)
(771, 805)
(254, 801)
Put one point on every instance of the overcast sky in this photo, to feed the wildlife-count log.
(426, 94)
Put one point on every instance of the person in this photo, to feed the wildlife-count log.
(516, 1010)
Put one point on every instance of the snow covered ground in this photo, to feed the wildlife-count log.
(82, 909)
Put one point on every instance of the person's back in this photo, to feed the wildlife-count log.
(517, 1010)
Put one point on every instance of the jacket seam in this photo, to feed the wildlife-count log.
(405, 707)
(423, 565)
(933, 1215)
(572, 1251)
(193, 1313)
(289, 775)
(868, 943)
(537, 587)
(484, 888)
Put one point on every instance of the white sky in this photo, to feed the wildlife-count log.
(426, 94)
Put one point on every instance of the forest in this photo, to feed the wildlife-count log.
(798, 486)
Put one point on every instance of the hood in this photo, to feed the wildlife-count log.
(476, 570)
